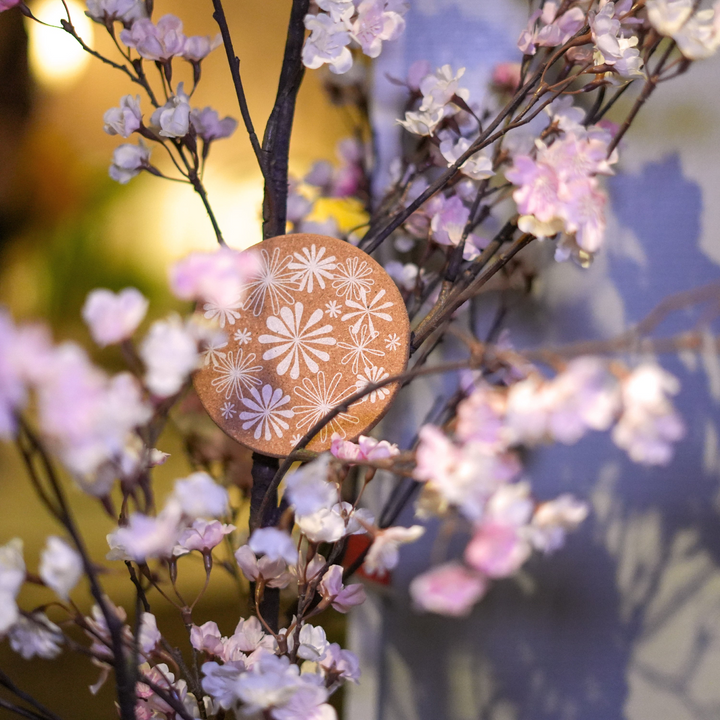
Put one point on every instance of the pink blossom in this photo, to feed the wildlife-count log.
(478, 166)
(36, 636)
(207, 638)
(554, 519)
(481, 417)
(247, 637)
(448, 223)
(156, 42)
(128, 160)
(202, 536)
(87, 417)
(367, 448)
(611, 44)
(200, 496)
(440, 88)
(125, 11)
(274, 544)
(173, 118)
(338, 9)
(539, 184)
(374, 24)
(384, 553)
(307, 703)
(341, 597)
(209, 126)
(149, 635)
(61, 566)
(551, 30)
(449, 589)
(497, 549)
(341, 663)
(113, 317)
(124, 120)
(146, 537)
(649, 423)
(273, 572)
(506, 76)
(198, 47)
(218, 276)
(326, 44)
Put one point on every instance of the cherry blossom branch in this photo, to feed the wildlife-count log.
(234, 62)
(8, 684)
(276, 140)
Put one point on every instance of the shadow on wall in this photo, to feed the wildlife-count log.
(623, 622)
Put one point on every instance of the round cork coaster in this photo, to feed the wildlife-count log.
(320, 321)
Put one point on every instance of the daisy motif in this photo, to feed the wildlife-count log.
(311, 266)
(352, 278)
(392, 341)
(359, 349)
(228, 410)
(213, 350)
(295, 340)
(265, 412)
(319, 398)
(367, 310)
(243, 336)
(371, 376)
(222, 313)
(333, 308)
(274, 281)
(295, 439)
(235, 371)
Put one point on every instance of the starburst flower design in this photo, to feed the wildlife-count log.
(366, 311)
(392, 342)
(295, 439)
(243, 336)
(352, 278)
(359, 349)
(333, 308)
(319, 398)
(370, 376)
(295, 340)
(311, 266)
(228, 410)
(234, 372)
(213, 350)
(222, 313)
(265, 412)
(274, 281)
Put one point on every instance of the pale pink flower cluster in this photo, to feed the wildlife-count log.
(113, 317)
(151, 705)
(547, 29)
(106, 12)
(338, 23)
(218, 277)
(557, 186)
(697, 34)
(366, 449)
(12, 576)
(179, 528)
(437, 90)
(614, 46)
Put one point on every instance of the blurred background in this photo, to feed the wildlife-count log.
(625, 621)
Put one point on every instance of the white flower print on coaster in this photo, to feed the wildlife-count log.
(321, 320)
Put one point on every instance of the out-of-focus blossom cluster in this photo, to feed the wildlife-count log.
(339, 24)
(696, 32)
(478, 474)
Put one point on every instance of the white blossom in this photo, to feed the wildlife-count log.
(326, 44)
(128, 160)
(124, 120)
(149, 635)
(113, 317)
(36, 636)
(668, 16)
(60, 566)
(126, 11)
(478, 166)
(170, 354)
(313, 643)
(699, 37)
(308, 488)
(384, 553)
(173, 119)
(274, 544)
(200, 496)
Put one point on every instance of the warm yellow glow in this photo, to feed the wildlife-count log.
(56, 58)
(348, 213)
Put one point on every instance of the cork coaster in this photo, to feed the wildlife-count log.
(320, 321)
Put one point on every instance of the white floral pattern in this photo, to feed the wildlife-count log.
(222, 313)
(364, 311)
(353, 278)
(320, 320)
(274, 281)
(234, 372)
(319, 398)
(359, 350)
(312, 265)
(242, 337)
(266, 412)
(370, 376)
(392, 342)
(295, 340)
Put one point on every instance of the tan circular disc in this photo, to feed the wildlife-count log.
(320, 321)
